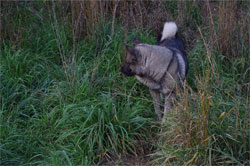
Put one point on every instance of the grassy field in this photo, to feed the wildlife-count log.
(64, 102)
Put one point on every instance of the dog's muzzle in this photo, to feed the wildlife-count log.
(126, 70)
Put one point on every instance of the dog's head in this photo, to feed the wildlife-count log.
(131, 60)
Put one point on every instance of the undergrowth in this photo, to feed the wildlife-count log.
(64, 102)
(72, 113)
(208, 124)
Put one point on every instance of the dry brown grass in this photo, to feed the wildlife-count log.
(229, 28)
(228, 21)
(133, 14)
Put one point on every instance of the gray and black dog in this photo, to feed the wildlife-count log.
(162, 67)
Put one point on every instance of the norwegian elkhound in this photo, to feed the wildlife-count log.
(162, 67)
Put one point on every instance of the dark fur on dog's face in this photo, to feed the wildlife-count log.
(132, 59)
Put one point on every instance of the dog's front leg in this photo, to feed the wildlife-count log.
(148, 82)
(156, 98)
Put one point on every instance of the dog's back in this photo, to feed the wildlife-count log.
(176, 42)
(170, 39)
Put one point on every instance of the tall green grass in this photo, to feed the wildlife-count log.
(55, 112)
(64, 102)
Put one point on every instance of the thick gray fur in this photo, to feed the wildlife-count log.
(160, 72)
(162, 68)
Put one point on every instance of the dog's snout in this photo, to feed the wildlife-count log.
(126, 70)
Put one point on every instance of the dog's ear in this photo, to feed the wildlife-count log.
(130, 49)
(136, 41)
(134, 54)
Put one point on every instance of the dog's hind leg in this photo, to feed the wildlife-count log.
(156, 98)
(167, 105)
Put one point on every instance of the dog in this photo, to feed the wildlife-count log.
(162, 67)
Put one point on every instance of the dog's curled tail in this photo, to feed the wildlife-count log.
(169, 30)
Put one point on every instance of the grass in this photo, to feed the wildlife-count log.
(64, 102)
(208, 125)
(68, 114)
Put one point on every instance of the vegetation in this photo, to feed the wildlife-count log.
(64, 102)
